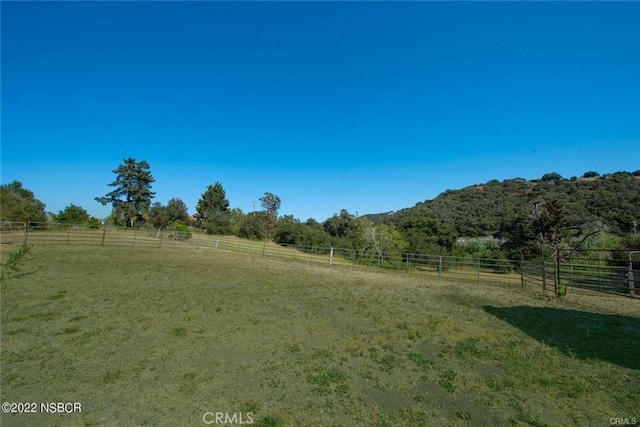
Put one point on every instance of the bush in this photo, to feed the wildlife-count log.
(179, 231)
(218, 223)
(12, 264)
(253, 227)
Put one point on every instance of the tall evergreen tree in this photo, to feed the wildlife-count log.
(212, 204)
(132, 197)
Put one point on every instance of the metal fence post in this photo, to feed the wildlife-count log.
(632, 279)
(632, 288)
(544, 276)
(331, 257)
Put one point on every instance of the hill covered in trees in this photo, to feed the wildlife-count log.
(482, 210)
(520, 212)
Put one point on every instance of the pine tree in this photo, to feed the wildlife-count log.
(212, 203)
(132, 197)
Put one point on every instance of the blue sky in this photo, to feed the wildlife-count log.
(367, 106)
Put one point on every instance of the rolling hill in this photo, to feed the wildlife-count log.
(479, 210)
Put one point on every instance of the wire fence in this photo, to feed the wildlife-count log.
(602, 275)
(611, 271)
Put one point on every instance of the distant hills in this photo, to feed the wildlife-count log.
(479, 210)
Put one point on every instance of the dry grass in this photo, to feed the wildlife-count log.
(142, 336)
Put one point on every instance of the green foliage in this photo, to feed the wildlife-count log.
(341, 225)
(20, 204)
(13, 261)
(590, 174)
(253, 226)
(159, 216)
(481, 210)
(94, 223)
(132, 197)
(381, 242)
(177, 211)
(552, 177)
(218, 223)
(291, 231)
(72, 214)
(271, 204)
(426, 235)
(623, 249)
(545, 223)
(236, 216)
(212, 203)
(179, 231)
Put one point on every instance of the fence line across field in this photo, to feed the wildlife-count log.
(585, 273)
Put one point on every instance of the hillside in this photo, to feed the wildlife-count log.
(478, 210)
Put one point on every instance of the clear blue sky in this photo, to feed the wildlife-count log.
(371, 107)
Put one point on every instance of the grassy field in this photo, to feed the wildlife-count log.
(147, 336)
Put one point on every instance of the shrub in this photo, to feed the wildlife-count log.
(179, 231)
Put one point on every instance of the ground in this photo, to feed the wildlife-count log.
(148, 336)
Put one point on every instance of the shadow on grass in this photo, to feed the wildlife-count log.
(606, 337)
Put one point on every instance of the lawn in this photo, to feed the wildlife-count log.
(148, 336)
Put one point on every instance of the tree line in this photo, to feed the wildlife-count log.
(519, 214)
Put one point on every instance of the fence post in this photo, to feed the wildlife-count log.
(560, 290)
(440, 267)
(161, 232)
(104, 234)
(68, 232)
(331, 256)
(632, 279)
(478, 269)
(135, 232)
(26, 233)
(544, 275)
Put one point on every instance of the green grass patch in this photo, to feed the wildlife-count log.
(148, 336)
